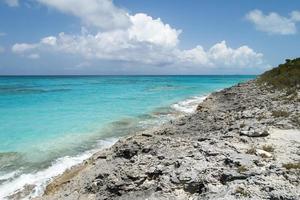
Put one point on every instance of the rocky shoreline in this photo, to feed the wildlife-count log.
(242, 143)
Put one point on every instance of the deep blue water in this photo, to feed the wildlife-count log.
(45, 118)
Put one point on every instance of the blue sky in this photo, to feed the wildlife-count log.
(146, 37)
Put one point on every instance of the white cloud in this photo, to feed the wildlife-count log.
(243, 56)
(49, 41)
(137, 43)
(144, 41)
(146, 29)
(196, 56)
(220, 55)
(274, 23)
(23, 47)
(98, 13)
(117, 45)
(12, 3)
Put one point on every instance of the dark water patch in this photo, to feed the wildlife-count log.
(8, 160)
(139, 123)
(162, 111)
(16, 90)
(58, 90)
(166, 88)
(122, 127)
(118, 81)
(19, 90)
(147, 116)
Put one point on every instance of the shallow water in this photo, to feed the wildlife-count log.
(48, 124)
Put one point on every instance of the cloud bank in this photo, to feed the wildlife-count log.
(135, 38)
(274, 23)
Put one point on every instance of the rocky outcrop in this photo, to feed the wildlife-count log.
(232, 147)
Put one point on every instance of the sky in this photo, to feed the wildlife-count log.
(121, 37)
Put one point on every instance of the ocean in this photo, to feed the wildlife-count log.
(50, 123)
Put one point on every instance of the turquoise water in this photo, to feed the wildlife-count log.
(43, 119)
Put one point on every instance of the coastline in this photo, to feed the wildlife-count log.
(234, 146)
(36, 182)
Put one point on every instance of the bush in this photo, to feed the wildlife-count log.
(285, 76)
(242, 169)
(268, 148)
(289, 166)
(280, 113)
(241, 191)
(251, 151)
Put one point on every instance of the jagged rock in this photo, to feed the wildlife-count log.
(232, 177)
(147, 134)
(206, 155)
(127, 150)
(195, 187)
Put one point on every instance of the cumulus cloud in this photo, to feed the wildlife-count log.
(241, 56)
(99, 13)
(23, 47)
(220, 55)
(146, 29)
(195, 56)
(12, 3)
(144, 40)
(137, 43)
(118, 45)
(51, 41)
(274, 23)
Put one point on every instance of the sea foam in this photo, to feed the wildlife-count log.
(188, 105)
(40, 179)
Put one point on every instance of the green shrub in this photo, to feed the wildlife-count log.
(251, 151)
(242, 169)
(285, 76)
(280, 113)
(268, 148)
(242, 125)
(241, 191)
(289, 166)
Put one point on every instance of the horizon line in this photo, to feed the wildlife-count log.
(24, 75)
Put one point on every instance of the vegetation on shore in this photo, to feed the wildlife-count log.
(286, 76)
(290, 166)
